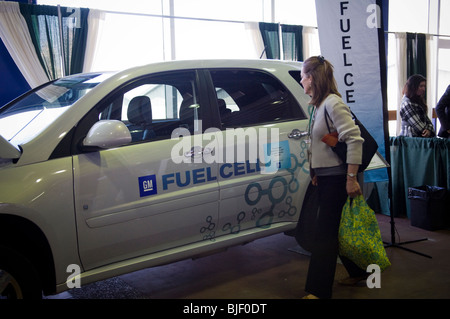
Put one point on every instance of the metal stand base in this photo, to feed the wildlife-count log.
(399, 245)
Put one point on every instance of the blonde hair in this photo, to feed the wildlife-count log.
(323, 82)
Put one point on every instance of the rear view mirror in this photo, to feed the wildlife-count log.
(7, 150)
(107, 134)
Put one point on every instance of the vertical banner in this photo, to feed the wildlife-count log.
(348, 35)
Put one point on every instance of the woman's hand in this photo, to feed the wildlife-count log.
(426, 133)
(353, 187)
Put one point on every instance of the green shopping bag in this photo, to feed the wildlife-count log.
(359, 235)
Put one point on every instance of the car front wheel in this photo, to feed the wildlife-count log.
(18, 277)
(9, 287)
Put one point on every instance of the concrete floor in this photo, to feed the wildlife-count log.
(272, 268)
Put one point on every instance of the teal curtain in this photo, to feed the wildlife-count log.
(42, 22)
(75, 29)
(417, 162)
(292, 42)
(58, 58)
(416, 54)
(271, 39)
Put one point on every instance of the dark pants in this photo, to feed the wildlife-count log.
(322, 266)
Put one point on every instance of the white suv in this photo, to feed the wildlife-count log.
(106, 173)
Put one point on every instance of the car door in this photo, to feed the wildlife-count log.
(263, 173)
(155, 193)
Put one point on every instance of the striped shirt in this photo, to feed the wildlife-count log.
(414, 119)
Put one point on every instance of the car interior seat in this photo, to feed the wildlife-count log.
(140, 117)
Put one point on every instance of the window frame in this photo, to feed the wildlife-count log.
(91, 117)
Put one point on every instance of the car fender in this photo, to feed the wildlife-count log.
(43, 194)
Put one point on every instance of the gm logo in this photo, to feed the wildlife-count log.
(147, 185)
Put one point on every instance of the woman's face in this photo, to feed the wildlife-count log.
(421, 89)
(306, 83)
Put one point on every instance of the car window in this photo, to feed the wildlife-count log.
(25, 118)
(247, 97)
(165, 100)
(153, 107)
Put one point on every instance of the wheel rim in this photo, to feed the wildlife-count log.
(9, 287)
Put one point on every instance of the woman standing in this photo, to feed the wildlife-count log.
(335, 180)
(413, 109)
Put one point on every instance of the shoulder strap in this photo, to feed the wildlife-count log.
(328, 116)
(326, 119)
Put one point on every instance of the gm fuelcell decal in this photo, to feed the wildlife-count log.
(277, 156)
(148, 184)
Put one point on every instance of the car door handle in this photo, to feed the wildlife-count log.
(195, 151)
(297, 134)
(198, 151)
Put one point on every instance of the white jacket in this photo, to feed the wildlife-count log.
(341, 121)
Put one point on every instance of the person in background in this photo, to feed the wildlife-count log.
(443, 114)
(413, 109)
(335, 180)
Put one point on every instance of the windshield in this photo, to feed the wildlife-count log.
(27, 117)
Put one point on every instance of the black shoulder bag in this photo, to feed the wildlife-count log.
(369, 146)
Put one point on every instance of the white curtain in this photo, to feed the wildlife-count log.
(96, 21)
(400, 40)
(432, 48)
(16, 37)
(311, 45)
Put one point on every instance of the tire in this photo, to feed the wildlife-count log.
(18, 277)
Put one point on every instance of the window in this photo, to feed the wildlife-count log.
(27, 117)
(296, 12)
(410, 18)
(165, 100)
(197, 39)
(128, 40)
(139, 32)
(252, 98)
(248, 10)
(153, 107)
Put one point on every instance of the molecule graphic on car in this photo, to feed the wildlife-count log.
(253, 195)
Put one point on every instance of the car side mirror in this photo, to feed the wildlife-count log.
(107, 134)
